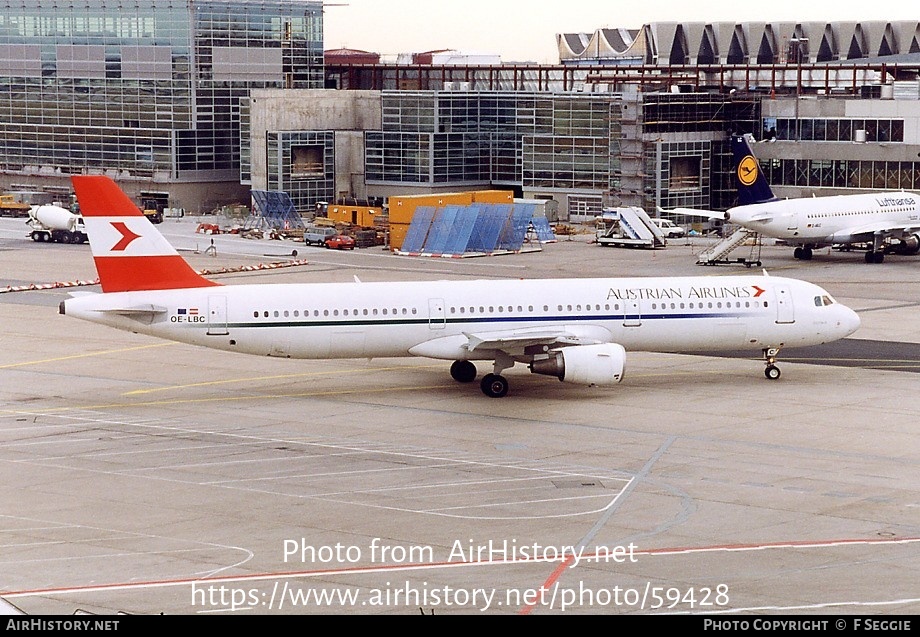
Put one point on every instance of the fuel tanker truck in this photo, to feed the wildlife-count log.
(54, 223)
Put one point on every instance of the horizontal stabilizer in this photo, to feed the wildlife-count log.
(136, 310)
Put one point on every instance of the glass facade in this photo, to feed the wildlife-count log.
(547, 141)
(147, 90)
(302, 164)
(834, 130)
(843, 173)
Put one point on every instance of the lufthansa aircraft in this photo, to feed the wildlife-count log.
(577, 330)
(874, 220)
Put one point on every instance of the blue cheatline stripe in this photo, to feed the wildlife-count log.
(504, 320)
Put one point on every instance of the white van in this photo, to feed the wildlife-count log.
(669, 228)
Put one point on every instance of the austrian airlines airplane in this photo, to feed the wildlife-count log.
(577, 330)
(874, 219)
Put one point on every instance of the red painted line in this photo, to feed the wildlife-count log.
(555, 575)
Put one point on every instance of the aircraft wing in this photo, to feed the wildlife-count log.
(516, 341)
(871, 229)
(694, 212)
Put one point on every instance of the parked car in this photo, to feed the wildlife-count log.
(340, 242)
(317, 235)
(669, 228)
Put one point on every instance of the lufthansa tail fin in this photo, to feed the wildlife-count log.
(752, 185)
(129, 252)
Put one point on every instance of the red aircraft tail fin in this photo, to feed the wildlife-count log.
(130, 253)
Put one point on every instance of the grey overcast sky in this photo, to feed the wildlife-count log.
(521, 31)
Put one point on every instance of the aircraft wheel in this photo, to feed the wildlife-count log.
(463, 371)
(772, 372)
(797, 253)
(494, 386)
(806, 254)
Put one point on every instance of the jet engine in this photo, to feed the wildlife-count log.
(602, 364)
(909, 245)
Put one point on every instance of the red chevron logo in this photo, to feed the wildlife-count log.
(126, 236)
(759, 291)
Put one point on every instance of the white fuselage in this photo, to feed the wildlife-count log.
(436, 318)
(836, 219)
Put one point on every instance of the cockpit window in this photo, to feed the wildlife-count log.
(823, 300)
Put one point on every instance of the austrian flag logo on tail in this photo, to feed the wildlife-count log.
(127, 236)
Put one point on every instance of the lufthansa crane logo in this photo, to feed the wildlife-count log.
(747, 171)
(127, 236)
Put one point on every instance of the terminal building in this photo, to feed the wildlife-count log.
(204, 100)
(627, 118)
(146, 91)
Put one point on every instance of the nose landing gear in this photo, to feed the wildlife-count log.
(769, 356)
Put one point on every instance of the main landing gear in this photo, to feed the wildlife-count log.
(493, 385)
(769, 356)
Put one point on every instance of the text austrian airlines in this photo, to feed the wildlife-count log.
(577, 330)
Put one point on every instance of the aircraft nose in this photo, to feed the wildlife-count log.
(849, 322)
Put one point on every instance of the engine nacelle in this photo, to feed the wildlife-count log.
(909, 245)
(602, 364)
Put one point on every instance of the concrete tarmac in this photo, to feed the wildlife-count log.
(146, 477)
